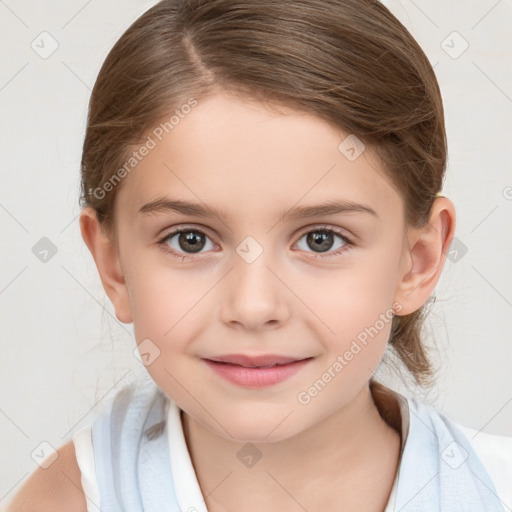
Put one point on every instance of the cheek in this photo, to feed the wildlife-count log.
(356, 322)
(348, 300)
(162, 299)
(166, 310)
(169, 308)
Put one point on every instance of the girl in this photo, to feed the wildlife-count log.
(261, 190)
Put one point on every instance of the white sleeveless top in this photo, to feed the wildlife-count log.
(494, 451)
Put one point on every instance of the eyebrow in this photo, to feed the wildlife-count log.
(165, 204)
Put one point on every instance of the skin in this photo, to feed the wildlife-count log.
(252, 163)
(56, 488)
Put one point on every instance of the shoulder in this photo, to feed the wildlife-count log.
(56, 488)
(495, 450)
(495, 453)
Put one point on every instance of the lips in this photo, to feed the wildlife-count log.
(256, 371)
(256, 361)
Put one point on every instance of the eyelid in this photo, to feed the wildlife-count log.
(327, 227)
(165, 233)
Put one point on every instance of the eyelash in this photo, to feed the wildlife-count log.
(348, 242)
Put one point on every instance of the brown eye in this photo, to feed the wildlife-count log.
(183, 242)
(320, 240)
(323, 240)
(191, 241)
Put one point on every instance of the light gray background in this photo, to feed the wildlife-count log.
(63, 350)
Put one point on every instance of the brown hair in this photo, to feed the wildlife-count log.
(349, 62)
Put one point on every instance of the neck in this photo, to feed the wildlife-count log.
(336, 458)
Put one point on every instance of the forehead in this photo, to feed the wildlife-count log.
(237, 155)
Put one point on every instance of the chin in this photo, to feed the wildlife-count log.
(258, 427)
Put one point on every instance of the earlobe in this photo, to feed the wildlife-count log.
(106, 257)
(425, 257)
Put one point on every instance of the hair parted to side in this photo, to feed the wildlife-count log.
(349, 62)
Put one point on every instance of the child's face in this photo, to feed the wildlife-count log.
(228, 298)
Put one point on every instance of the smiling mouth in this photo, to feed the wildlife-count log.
(257, 376)
(256, 360)
(250, 367)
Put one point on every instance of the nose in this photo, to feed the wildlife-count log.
(253, 297)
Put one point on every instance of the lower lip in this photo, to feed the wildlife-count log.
(256, 377)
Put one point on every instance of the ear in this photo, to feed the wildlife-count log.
(424, 257)
(106, 257)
